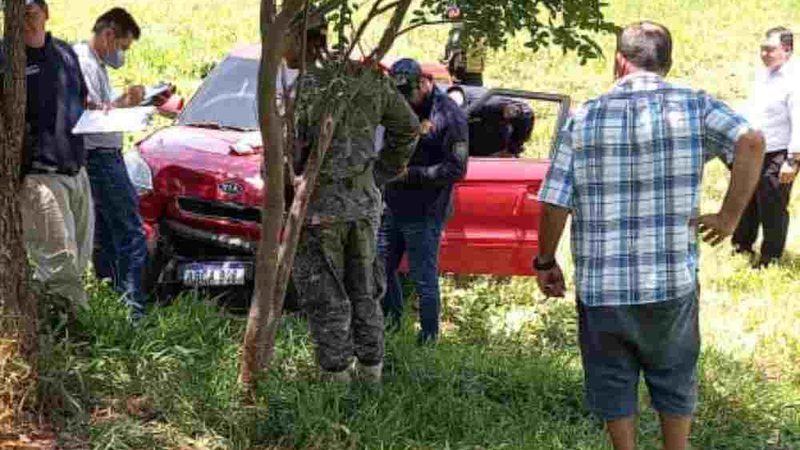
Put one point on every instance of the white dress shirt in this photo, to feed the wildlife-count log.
(774, 107)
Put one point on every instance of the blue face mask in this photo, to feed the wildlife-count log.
(115, 60)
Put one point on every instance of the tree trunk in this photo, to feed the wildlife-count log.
(17, 304)
(266, 307)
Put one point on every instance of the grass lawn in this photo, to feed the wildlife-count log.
(507, 372)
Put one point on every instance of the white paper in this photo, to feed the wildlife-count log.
(114, 121)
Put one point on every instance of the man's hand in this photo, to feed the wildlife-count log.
(134, 95)
(551, 282)
(714, 228)
(788, 172)
(162, 98)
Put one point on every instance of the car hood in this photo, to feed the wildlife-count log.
(201, 163)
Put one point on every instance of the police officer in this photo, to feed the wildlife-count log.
(499, 127)
(420, 202)
(56, 198)
(333, 269)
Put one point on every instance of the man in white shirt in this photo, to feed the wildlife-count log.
(775, 109)
(120, 247)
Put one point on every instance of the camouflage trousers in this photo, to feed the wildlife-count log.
(335, 276)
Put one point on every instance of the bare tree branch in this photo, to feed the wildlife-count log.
(420, 24)
(390, 33)
(373, 12)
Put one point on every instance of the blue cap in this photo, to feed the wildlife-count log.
(35, 2)
(406, 73)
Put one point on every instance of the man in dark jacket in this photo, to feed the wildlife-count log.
(499, 127)
(56, 198)
(419, 204)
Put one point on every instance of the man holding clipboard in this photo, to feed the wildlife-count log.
(120, 247)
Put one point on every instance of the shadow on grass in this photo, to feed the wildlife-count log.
(504, 392)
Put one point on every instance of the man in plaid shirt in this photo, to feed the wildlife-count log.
(628, 169)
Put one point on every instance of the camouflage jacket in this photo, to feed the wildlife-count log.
(362, 99)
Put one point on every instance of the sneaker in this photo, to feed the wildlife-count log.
(369, 374)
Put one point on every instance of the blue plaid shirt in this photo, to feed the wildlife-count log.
(629, 166)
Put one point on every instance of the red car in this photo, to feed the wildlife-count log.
(200, 187)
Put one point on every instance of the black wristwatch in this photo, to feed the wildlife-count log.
(792, 161)
(543, 267)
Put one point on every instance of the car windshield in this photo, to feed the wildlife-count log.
(227, 97)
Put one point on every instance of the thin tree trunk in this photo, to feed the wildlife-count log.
(17, 304)
(264, 314)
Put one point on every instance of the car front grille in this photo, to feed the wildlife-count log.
(221, 210)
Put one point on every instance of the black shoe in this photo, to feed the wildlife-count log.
(763, 263)
(426, 340)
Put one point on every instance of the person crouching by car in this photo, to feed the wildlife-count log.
(419, 203)
(120, 247)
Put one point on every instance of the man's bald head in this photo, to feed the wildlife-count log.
(647, 46)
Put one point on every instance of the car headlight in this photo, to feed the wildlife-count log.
(139, 172)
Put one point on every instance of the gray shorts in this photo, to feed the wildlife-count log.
(660, 339)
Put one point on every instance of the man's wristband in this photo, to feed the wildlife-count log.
(543, 267)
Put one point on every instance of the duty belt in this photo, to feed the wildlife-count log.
(44, 169)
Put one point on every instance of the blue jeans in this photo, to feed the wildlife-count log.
(420, 238)
(120, 247)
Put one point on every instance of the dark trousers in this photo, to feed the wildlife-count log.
(419, 238)
(120, 249)
(768, 209)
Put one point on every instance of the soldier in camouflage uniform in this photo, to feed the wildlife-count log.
(335, 259)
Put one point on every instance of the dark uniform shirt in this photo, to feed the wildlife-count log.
(438, 162)
(490, 130)
(56, 96)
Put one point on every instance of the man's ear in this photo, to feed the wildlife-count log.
(620, 65)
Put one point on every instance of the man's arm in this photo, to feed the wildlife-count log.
(792, 163)
(400, 137)
(748, 159)
(548, 273)
(551, 227)
(454, 165)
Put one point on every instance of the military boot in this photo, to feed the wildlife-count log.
(369, 374)
(342, 377)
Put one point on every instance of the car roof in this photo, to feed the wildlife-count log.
(247, 51)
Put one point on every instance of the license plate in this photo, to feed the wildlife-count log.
(214, 274)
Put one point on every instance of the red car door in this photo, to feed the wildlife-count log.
(494, 228)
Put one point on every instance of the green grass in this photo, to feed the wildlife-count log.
(507, 374)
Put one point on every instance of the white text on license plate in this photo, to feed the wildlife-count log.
(214, 274)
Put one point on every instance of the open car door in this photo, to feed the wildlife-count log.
(494, 227)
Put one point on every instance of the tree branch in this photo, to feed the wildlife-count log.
(390, 34)
(420, 24)
(373, 12)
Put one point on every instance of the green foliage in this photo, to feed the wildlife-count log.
(571, 25)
